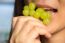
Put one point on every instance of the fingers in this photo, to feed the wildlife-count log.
(30, 36)
(37, 41)
(14, 21)
(28, 28)
(43, 31)
(21, 22)
(29, 25)
(36, 31)
(18, 24)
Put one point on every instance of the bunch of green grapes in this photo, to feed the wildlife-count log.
(39, 13)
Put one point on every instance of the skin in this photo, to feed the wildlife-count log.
(27, 29)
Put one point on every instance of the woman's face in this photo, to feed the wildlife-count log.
(57, 9)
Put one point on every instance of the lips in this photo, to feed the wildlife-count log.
(48, 8)
(53, 10)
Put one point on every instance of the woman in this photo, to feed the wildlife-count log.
(29, 29)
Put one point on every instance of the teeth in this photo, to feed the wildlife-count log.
(48, 9)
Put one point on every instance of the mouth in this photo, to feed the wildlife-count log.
(49, 8)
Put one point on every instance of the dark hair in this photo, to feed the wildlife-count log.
(19, 4)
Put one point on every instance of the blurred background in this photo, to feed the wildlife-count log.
(6, 13)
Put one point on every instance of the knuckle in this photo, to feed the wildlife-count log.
(26, 17)
(29, 21)
(15, 18)
(11, 39)
(20, 39)
(17, 40)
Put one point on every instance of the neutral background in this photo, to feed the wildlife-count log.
(6, 12)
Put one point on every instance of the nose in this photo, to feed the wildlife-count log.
(43, 3)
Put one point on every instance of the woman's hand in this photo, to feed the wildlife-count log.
(27, 30)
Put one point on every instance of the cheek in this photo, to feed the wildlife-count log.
(59, 18)
(61, 10)
(62, 1)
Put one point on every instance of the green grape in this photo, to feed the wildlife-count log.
(32, 6)
(49, 15)
(45, 15)
(25, 12)
(26, 7)
(39, 10)
(32, 12)
(46, 21)
(36, 15)
(39, 13)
